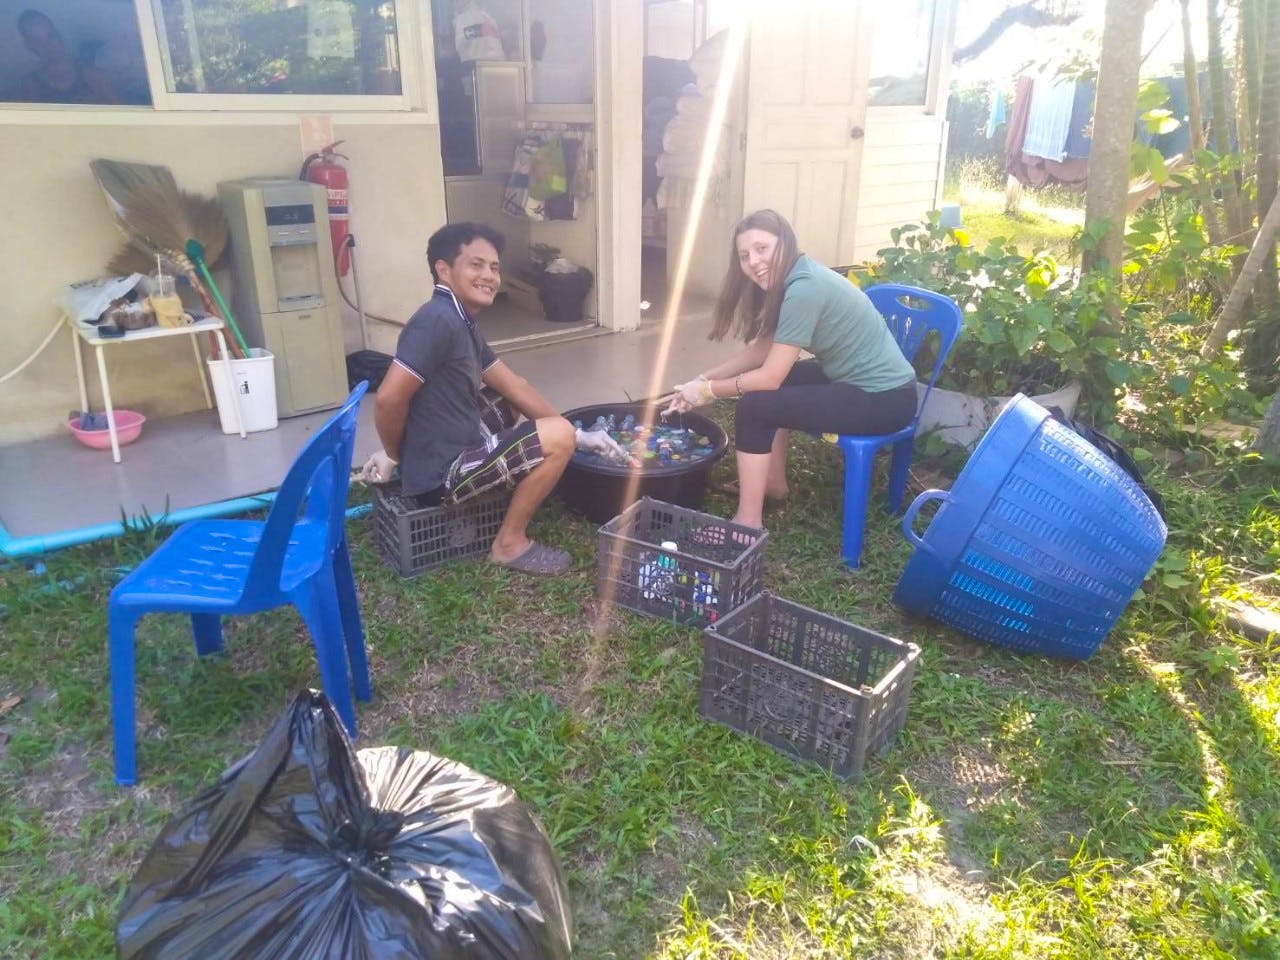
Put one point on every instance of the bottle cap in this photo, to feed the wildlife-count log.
(669, 545)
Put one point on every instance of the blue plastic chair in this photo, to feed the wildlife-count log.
(210, 568)
(912, 314)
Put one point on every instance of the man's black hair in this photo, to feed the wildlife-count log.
(447, 242)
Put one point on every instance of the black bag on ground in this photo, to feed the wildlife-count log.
(307, 849)
(368, 365)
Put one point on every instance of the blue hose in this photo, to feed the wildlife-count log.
(30, 546)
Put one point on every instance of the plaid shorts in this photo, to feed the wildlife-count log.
(510, 450)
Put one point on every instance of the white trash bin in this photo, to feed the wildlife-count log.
(255, 389)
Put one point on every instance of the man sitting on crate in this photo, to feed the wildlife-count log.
(457, 421)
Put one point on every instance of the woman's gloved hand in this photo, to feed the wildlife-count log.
(695, 393)
(600, 443)
(379, 468)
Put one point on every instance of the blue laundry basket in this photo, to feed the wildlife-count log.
(1040, 543)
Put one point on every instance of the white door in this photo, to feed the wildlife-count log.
(806, 108)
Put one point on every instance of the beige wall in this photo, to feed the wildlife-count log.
(901, 173)
(58, 231)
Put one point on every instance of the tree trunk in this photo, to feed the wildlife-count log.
(1268, 440)
(1251, 30)
(1113, 129)
(1245, 133)
(1268, 140)
(1192, 73)
(1195, 121)
(1221, 125)
(1263, 247)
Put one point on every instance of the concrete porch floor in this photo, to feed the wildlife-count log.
(54, 485)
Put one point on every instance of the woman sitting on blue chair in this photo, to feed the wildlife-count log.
(780, 302)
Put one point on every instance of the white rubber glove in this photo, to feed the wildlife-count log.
(677, 405)
(599, 442)
(379, 468)
(695, 393)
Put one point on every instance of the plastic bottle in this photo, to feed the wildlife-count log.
(705, 595)
(658, 574)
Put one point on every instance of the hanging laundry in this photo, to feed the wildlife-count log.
(1179, 141)
(1049, 119)
(1080, 129)
(563, 206)
(1017, 131)
(999, 112)
(546, 171)
(1032, 170)
(550, 176)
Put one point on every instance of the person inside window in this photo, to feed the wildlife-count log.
(780, 302)
(59, 78)
(456, 421)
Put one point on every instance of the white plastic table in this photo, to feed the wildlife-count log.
(88, 333)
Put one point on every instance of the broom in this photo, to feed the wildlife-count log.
(149, 211)
(208, 225)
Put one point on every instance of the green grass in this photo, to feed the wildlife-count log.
(1041, 223)
(1121, 807)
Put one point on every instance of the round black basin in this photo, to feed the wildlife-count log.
(601, 491)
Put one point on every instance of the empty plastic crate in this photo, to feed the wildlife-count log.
(1040, 543)
(806, 683)
(417, 539)
(717, 565)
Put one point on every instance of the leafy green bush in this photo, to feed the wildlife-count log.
(1032, 325)
(1171, 266)
(1029, 327)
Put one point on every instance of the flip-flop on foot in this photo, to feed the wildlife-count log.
(538, 560)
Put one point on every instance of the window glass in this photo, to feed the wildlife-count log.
(280, 46)
(900, 55)
(71, 51)
(560, 51)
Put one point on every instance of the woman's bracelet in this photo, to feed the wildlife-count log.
(737, 384)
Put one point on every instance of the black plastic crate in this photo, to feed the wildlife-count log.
(806, 683)
(717, 565)
(417, 539)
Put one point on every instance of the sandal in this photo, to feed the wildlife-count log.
(538, 560)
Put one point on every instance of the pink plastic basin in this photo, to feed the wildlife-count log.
(128, 429)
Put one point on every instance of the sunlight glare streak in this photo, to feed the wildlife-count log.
(735, 42)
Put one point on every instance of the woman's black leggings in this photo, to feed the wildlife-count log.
(808, 401)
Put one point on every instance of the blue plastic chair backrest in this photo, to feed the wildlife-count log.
(315, 488)
(912, 314)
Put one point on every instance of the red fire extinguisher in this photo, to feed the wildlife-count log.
(323, 168)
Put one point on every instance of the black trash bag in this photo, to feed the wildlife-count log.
(307, 849)
(370, 365)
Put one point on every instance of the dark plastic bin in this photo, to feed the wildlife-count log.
(417, 539)
(601, 491)
(806, 683)
(717, 565)
(564, 295)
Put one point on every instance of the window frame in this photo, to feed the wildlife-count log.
(412, 31)
(935, 68)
